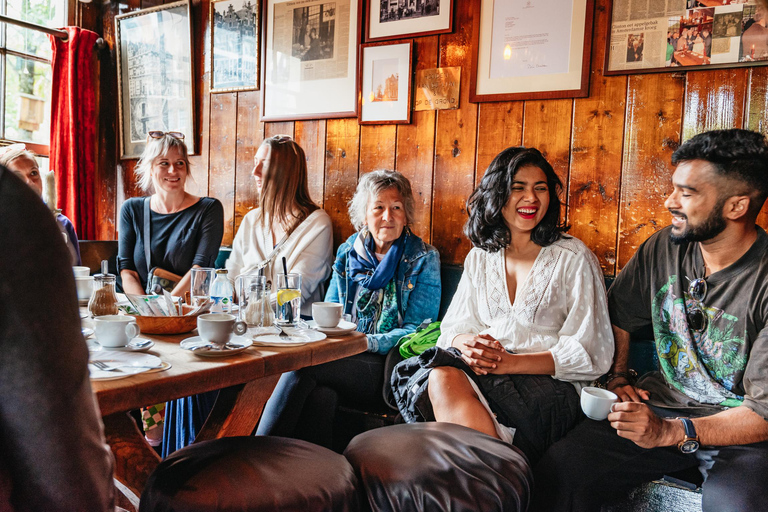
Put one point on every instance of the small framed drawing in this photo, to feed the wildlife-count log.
(310, 59)
(396, 19)
(154, 70)
(530, 50)
(235, 45)
(386, 83)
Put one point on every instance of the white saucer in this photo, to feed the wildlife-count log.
(343, 328)
(129, 363)
(87, 331)
(298, 337)
(135, 345)
(196, 341)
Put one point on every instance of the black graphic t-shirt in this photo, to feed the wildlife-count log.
(721, 365)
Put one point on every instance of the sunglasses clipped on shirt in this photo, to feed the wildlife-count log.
(159, 134)
(697, 317)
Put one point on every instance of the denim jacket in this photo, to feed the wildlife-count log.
(417, 282)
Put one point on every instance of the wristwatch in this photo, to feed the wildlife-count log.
(691, 441)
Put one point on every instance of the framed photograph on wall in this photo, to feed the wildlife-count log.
(396, 19)
(310, 59)
(527, 50)
(694, 34)
(235, 28)
(385, 90)
(154, 75)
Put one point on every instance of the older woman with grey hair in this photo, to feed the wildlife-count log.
(184, 230)
(388, 280)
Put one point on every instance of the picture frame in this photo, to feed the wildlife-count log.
(234, 51)
(397, 19)
(529, 50)
(385, 83)
(155, 78)
(310, 59)
(704, 34)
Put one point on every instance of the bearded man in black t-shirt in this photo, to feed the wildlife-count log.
(702, 285)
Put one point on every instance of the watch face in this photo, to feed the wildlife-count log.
(689, 446)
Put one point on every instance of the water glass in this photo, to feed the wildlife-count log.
(200, 287)
(288, 299)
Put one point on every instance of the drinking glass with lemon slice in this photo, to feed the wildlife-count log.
(288, 299)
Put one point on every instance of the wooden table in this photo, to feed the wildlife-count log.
(686, 58)
(249, 378)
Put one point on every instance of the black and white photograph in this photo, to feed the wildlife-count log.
(314, 28)
(395, 10)
(154, 64)
(727, 24)
(234, 45)
(385, 80)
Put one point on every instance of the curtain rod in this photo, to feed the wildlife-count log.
(61, 34)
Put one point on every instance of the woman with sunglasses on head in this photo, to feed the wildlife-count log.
(529, 317)
(287, 224)
(185, 230)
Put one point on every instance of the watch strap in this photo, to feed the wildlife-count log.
(690, 430)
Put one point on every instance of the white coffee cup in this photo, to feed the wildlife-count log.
(326, 314)
(597, 402)
(115, 330)
(84, 286)
(81, 271)
(217, 328)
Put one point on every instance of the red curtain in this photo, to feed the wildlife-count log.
(73, 128)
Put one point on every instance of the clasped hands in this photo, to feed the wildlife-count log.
(635, 421)
(484, 354)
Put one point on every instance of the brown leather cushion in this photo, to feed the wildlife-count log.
(252, 474)
(439, 466)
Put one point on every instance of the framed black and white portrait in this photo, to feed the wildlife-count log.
(396, 19)
(235, 29)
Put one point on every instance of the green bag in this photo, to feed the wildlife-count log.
(417, 342)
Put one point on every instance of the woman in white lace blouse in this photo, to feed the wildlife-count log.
(529, 316)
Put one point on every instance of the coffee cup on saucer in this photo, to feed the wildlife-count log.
(81, 271)
(84, 285)
(597, 402)
(217, 328)
(114, 331)
(326, 314)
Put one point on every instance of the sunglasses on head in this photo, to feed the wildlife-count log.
(282, 139)
(158, 134)
(697, 317)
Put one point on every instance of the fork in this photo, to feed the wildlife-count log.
(101, 365)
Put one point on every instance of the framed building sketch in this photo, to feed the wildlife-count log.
(690, 34)
(386, 83)
(396, 19)
(526, 49)
(235, 45)
(310, 59)
(154, 69)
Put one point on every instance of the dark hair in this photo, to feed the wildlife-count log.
(486, 227)
(735, 154)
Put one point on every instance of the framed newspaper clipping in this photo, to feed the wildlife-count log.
(310, 59)
(154, 75)
(654, 36)
(526, 49)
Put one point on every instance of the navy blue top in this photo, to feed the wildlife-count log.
(179, 240)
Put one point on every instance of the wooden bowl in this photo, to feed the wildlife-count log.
(166, 324)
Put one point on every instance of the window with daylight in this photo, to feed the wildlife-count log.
(25, 72)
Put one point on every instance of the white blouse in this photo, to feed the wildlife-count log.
(308, 251)
(561, 308)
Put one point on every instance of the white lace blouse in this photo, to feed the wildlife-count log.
(561, 308)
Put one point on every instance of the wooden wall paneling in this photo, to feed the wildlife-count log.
(223, 148)
(547, 127)
(455, 146)
(341, 172)
(714, 100)
(756, 116)
(281, 128)
(500, 125)
(310, 135)
(596, 152)
(201, 35)
(377, 147)
(651, 134)
(415, 151)
(250, 133)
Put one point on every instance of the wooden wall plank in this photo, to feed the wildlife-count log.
(455, 145)
(714, 100)
(250, 133)
(596, 152)
(547, 127)
(377, 147)
(341, 172)
(500, 125)
(281, 128)
(651, 134)
(756, 117)
(201, 32)
(311, 137)
(415, 152)
(223, 147)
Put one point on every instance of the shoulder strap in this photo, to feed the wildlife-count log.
(147, 255)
